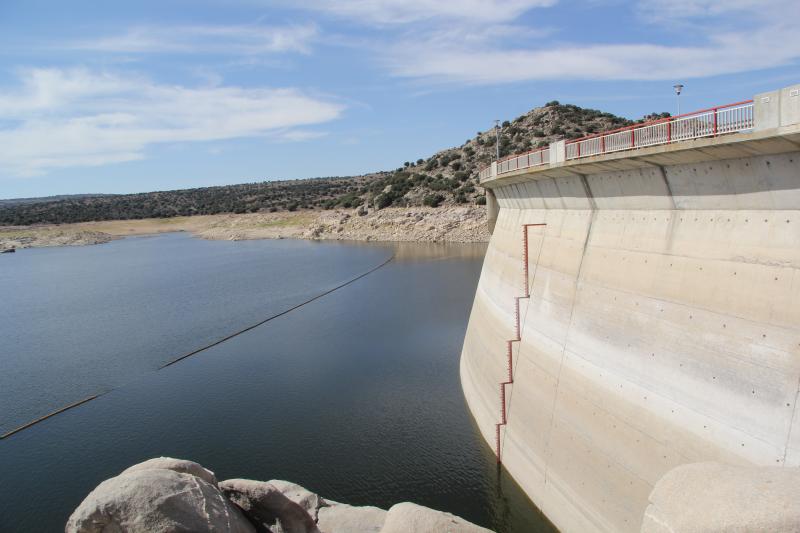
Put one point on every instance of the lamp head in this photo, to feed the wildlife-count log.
(678, 88)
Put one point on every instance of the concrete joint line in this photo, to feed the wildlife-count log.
(589, 195)
(505, 404)
(791, 424)
(667, 185)
(566, 339)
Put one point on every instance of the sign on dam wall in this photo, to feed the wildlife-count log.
(661, 324)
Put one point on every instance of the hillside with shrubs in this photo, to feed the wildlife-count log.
(449, 177)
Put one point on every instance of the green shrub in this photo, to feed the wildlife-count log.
(383, 200)
(480, 200)
(433, 200)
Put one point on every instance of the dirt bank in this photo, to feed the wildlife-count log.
(413, 224)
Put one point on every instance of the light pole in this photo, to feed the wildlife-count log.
(678, 88)
(497, 139)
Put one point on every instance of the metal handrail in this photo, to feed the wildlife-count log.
(710, 122)
(533, 158)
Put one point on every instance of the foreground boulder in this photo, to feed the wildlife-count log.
(713, 497)
(173, 495)
(157, 499)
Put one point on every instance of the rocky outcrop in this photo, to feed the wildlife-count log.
(343, 518)
(174, 495)
(266, 506)
(713, 497)
(157, 499)
(407, 516)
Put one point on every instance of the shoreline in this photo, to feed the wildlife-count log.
(412, 224)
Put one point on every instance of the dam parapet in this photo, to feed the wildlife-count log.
(661, 325)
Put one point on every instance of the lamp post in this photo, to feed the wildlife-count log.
(497, 139)
(678, 88)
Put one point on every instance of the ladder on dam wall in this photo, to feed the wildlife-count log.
(517, 338)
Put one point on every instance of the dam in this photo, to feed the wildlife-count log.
(639, 309)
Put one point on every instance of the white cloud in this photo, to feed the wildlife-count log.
(729, 53)
(204, 39)
(64, 118)
(735, 36)
(298, 135)
(702, 10)
(405, 11)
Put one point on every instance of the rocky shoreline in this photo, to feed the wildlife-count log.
(412, 224)
(165, 494)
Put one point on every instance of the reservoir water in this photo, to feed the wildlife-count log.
(356, 395)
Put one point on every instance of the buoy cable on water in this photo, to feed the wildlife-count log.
(202, 349)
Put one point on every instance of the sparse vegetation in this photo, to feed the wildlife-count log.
(449, 177)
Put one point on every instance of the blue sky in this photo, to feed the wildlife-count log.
(120, 97)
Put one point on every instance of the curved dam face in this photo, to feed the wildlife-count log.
(662, 325)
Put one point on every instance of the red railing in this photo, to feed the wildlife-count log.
(710, 122)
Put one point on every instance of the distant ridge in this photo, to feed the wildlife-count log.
(449, 177)
(54, 198)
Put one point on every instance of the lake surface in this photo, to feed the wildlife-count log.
(356, 395)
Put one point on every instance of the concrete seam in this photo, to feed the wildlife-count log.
(670, 399)
(588, 190)
(667, 185)
(791, 424)
(566, 342)
(738, 260)
(504, 402)
(788, 140)
(522, 324)
(693, 306)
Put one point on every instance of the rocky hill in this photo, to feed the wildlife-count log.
(449, 177)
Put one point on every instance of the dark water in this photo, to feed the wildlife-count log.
(355, 396)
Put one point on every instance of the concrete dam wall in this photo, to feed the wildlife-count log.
(662, 323)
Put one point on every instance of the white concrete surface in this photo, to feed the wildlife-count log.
(663, 326)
